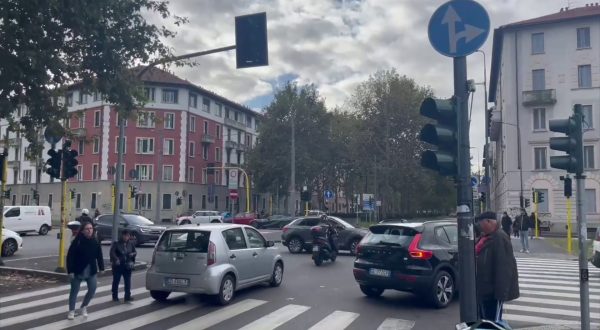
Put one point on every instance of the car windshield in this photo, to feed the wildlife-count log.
(342, 222)
(138, 220)
(390, 235)
(184, 241)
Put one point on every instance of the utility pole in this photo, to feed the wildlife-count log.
(292, 190)
(3, 162)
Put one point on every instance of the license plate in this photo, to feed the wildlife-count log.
(177, 281)
(380, 272)
(315, 249)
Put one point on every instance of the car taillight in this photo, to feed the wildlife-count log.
(415, 252)
(285, 228)
(212, 254)
(359, 248)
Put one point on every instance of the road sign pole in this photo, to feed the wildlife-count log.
(584, 286)
(569, 235)
(466, 242)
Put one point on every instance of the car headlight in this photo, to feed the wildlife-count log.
(144, 230)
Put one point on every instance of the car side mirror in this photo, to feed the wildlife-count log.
(270, 243)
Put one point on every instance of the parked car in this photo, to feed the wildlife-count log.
(200, 217)
(244, 218)
(28, 219)
(296, 236)
(596, 249)
(212, 259)
(272, 222)
(142, 230)
(227, 217)
(11, 242)
(417, 257)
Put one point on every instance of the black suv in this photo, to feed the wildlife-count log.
(420, 257)
(296, 236)
(142, 230)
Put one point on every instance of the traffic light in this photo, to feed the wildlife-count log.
(534, 196)
(7, 193)
(72, 192)
(3, 159)
(54, 163)
(133, 191)
(442, 135)
(70, 161)
(36, 195)
(572, 144)
(305, 196)
(527, 203)
(540, 198)
(567, 189)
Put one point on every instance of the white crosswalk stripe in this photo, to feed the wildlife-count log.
(550, 293)
(179, 312)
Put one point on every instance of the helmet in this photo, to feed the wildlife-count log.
(85, 211)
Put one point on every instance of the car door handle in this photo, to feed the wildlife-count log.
(232, 256)
(254, 254)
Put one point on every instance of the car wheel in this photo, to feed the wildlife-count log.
(159, 295)
(44, 230)
(215, 221)
(371, 291)
(277, 276)
(9, 247)
(186, 222)
(353, 246)
(295, 245)
(318, 260)
(226, 291)
(442, 292)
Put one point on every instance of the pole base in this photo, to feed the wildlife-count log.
(60, 270)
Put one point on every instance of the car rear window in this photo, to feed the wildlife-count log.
(390, 235)
(184, 241)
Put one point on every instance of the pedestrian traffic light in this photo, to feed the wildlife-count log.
(72, 193)
(7, 193)
(442, 135)
(527, 202)
(572, 144)
(54, 163)
(540, 197)
(70, 161)
(305, 196)
(36, 195)
(567, 189)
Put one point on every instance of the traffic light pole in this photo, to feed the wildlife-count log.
(584, 286)
(466, 238)
(63, 219)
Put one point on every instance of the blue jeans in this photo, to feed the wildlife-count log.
(76, 284)
(524, 235)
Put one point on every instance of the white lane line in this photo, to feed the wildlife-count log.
(220, 315)
(562, 302)
(35, 303)
(30, 294)
(276, 318)
(151, 317)
(562, 283)
(552, 268)
(551, 277)
(39, 257)
(57, 310)
(396, 324)
(556, 294)
(554, 287)
(336, 320)
(541, 320)
(545, 310)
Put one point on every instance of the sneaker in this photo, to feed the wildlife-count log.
(115, 299)
(71, 315)
(521, 250)
(128, 299)
(84, 311)
(527, 251)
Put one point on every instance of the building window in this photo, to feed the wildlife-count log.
(144, 146)
(27, 176)
(590, 201)
(583, 38)
(588, 157)
(190, 202)
(204, 152)
(216, 202)
(537, 43)
(205, 127)
(122, 171)
(219, 111)
(193, 102)
(149, 93)
(50, 200)
(204, 176)
(168, 147)
(95, 172)
(539, 79)
(145, 119)
(235, 115)
(167, 172)
(124, 145)
(540, 158)
(117, 120)
(169, 120)
(192, 124)
(94, 201)
(166, 202)
(543, 207)
(82, 98)
(80, 173)
(588, 118)
(96, 118)
(218, 135)
(81, 117)
(69, 100)
(191, 175)
(227, 113)
(218, 154)
(206, 105)
(143, 201)
(192, 149)
(170, 96)
(229, 134)
(96, 148)
(248, 121)
(78, 200)
(144, 172)
(97, 96)
(584, 76)
(203, 202)
(217, 177)
(81, 147)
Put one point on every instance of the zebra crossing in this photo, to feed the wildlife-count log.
(550, 293)
(46, 309)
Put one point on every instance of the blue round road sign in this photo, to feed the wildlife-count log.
(458, 28)
(328, 194)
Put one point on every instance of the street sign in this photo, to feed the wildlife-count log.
(233, 193)
(485, 180)
(328, 194)
(378, 203)
(53, 133)
(474, 181)
(458, 28)
(233, 179)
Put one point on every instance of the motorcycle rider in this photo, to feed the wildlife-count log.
(331, 232)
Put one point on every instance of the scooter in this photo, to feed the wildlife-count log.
(324, 244)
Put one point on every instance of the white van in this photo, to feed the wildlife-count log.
(28, 219)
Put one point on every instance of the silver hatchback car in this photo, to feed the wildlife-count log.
(212, 259)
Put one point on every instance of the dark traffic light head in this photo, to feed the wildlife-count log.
(442, 135)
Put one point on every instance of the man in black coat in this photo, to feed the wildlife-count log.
(497, 274)
(506, 223)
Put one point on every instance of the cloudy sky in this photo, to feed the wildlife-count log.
(336, 44)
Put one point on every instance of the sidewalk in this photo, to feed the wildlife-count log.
(540, 248)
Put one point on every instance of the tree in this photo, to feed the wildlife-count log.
(47, 45)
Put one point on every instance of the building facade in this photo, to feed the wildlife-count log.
(541, 68)
(178, 154)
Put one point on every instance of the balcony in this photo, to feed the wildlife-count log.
(13, 163)
(230, 144)
(242, 147)
(234, 123)
(207, 138)
(495, 125)
(539, 97)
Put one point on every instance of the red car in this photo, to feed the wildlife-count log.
(244, 218)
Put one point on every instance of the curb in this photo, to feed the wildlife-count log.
(139, 265)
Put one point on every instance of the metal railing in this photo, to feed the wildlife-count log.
(539, 97)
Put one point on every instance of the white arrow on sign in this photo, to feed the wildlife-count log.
(469, 33)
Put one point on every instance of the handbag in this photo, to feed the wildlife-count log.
(130, 265)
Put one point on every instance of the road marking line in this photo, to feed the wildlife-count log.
(528, 275)
(57, 310)
(336, 320)
(541, 320)
(30, 294)
(220, 315)
(96, 315)
(553, 287)
(396, 324)
(276, 318)
(562, 302)
(573, 272)
(556, 294)
(553, 311)
(35, 303)
(562, 283)
(9, 260)
(151, 317)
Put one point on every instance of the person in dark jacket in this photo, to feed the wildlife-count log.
(122, 259)
(506, 223)
(84, 259)
(497, 275)
(532, 220)
(524, 225)
(85, 218)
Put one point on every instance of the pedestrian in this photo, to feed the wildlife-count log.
(85, 218)
(122, 259)
(96, 214)
(532, 227)
(516, 225)
(497, 276)
(84, 259)
(524, 225)
(506, 224)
